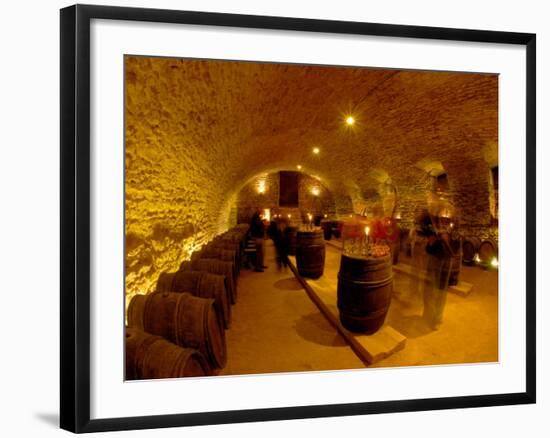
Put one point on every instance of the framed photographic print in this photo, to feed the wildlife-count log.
(268, 218)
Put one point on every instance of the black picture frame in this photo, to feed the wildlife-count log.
(75, 217)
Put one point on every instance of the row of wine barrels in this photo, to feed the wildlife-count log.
(364, 292)
(200, 284)
(152, 357)
(214, 266)
(486, 250)
(310, 253)
(182, 319)
(225, 254)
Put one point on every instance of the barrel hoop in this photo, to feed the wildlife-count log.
(365, 316)
(140, 354)
(184, 337)
(377, 283)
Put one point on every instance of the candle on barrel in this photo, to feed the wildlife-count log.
(309, 216)
(367, 239)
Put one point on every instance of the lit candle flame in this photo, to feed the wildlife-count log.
(367, 231)
(494, 262)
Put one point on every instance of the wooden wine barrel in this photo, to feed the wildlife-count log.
(180, 281)
(183, 319)
(364, 292)
(135, 311)
(310, 253)
(291, 235)
(199, 284)
(213, 286)
(211, 251)
(326, 225)
(488, 249)
(470, 246)
(219, 267)
(186, 266)
(152, 357)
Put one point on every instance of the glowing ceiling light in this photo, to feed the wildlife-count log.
(261, 186)
(494, 262)
(315, 191)
(350, 120)
(316, 150)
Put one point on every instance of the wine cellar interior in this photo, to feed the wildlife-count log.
(289, 218)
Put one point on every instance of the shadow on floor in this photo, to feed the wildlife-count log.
(288, 284)
(50, 418)
(411, 326)
(315, 328)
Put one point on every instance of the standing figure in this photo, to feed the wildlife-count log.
(281, 244)
(257, 232)
(438, 269)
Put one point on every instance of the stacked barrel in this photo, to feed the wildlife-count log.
(477, 251)
(179, 330)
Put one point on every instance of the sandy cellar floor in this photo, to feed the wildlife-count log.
(277, 328)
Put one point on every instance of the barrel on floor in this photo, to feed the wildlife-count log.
(153, 357)
(182, 319)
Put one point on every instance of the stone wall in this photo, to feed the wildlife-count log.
(197, 131)
(250, 198)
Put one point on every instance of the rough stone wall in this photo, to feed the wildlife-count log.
(175, 188)
(249, 198)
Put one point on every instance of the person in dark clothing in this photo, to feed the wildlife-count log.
(281, 245)
(257, 232)
(438, 269)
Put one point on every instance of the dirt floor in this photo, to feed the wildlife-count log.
(277, 328)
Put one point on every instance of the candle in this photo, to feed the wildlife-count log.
(367, 231)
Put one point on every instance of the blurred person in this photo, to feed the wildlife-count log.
(281, 244)
(257, 233)
(438, 270)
